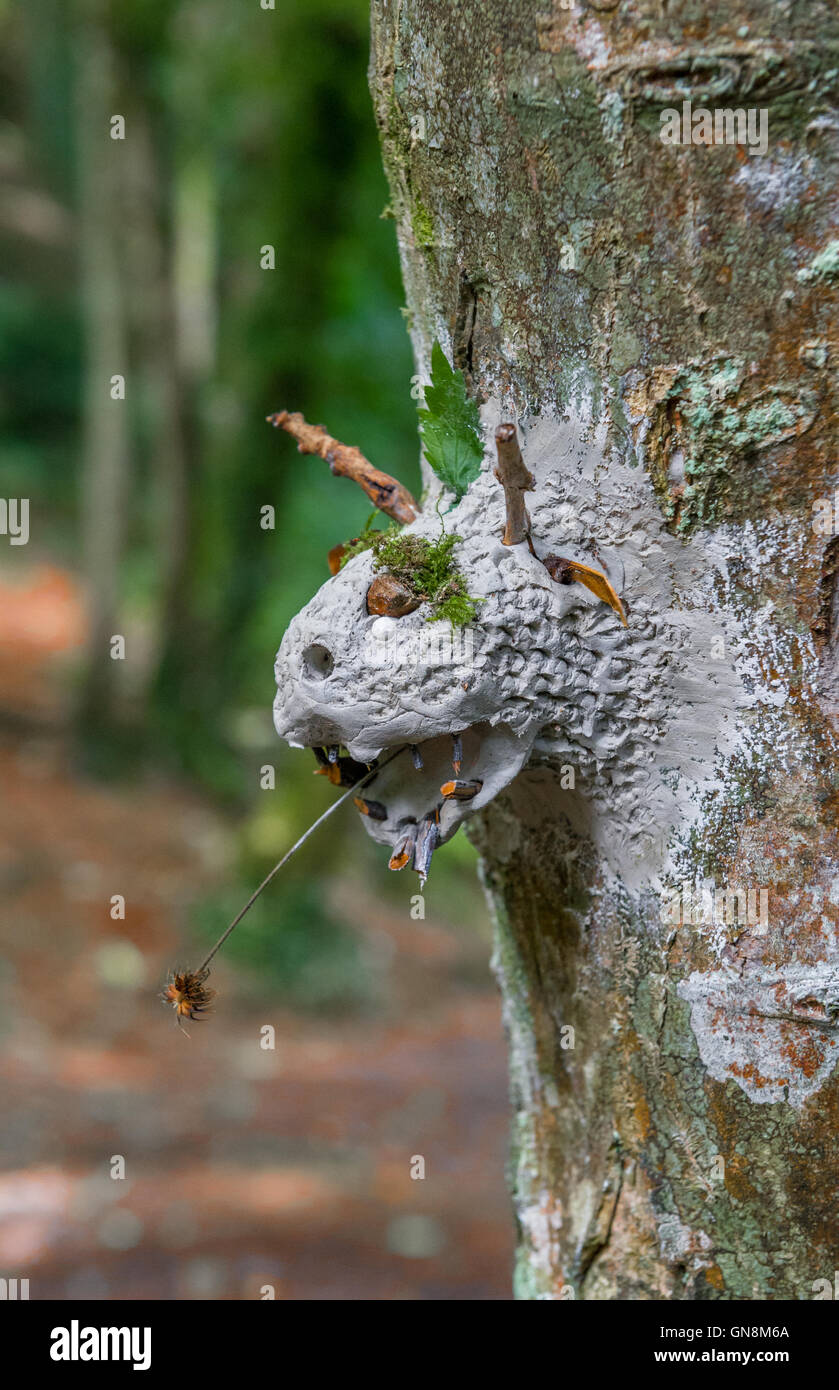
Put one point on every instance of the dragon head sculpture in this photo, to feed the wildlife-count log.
(546, 671)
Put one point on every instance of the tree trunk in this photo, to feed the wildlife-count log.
(660, 318)
(106, 448)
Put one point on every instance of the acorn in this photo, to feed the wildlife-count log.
(559, 569)
(388, 597)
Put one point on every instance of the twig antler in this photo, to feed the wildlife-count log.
(346, 461)
(516, 479)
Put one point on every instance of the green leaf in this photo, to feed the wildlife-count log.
(451, 427)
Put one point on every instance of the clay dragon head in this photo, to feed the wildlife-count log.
(546, 667)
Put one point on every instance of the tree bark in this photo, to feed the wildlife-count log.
(675, 1103)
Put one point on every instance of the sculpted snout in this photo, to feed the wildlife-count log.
(368, 682)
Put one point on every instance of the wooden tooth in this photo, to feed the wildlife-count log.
(403, 851)
(344, 772)
(456, 790)
(428, 838)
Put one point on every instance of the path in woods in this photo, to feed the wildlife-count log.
(244, 1168)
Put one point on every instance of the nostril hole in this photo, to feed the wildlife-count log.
(318, 661)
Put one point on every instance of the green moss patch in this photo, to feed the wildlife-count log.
(422, 225)
(426, 567)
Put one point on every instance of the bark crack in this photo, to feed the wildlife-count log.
(603, 1220)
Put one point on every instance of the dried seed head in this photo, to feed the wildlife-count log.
(186, 990)
(188, 995)
(388, 597)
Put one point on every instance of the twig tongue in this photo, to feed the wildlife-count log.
(356, 787)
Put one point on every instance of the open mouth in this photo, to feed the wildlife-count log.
(420, 798)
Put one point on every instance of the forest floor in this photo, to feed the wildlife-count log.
(245, 1170)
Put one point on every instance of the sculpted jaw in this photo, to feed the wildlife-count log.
(372, 684)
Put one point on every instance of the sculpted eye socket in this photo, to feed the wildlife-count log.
(318, 661)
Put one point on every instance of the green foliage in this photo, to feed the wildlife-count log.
(457, 606)
(421, 564)
(451, 427)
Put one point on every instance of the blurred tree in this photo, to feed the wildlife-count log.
(245, 128)
(106, 443)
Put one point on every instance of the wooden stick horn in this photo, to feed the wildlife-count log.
(346, 461)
